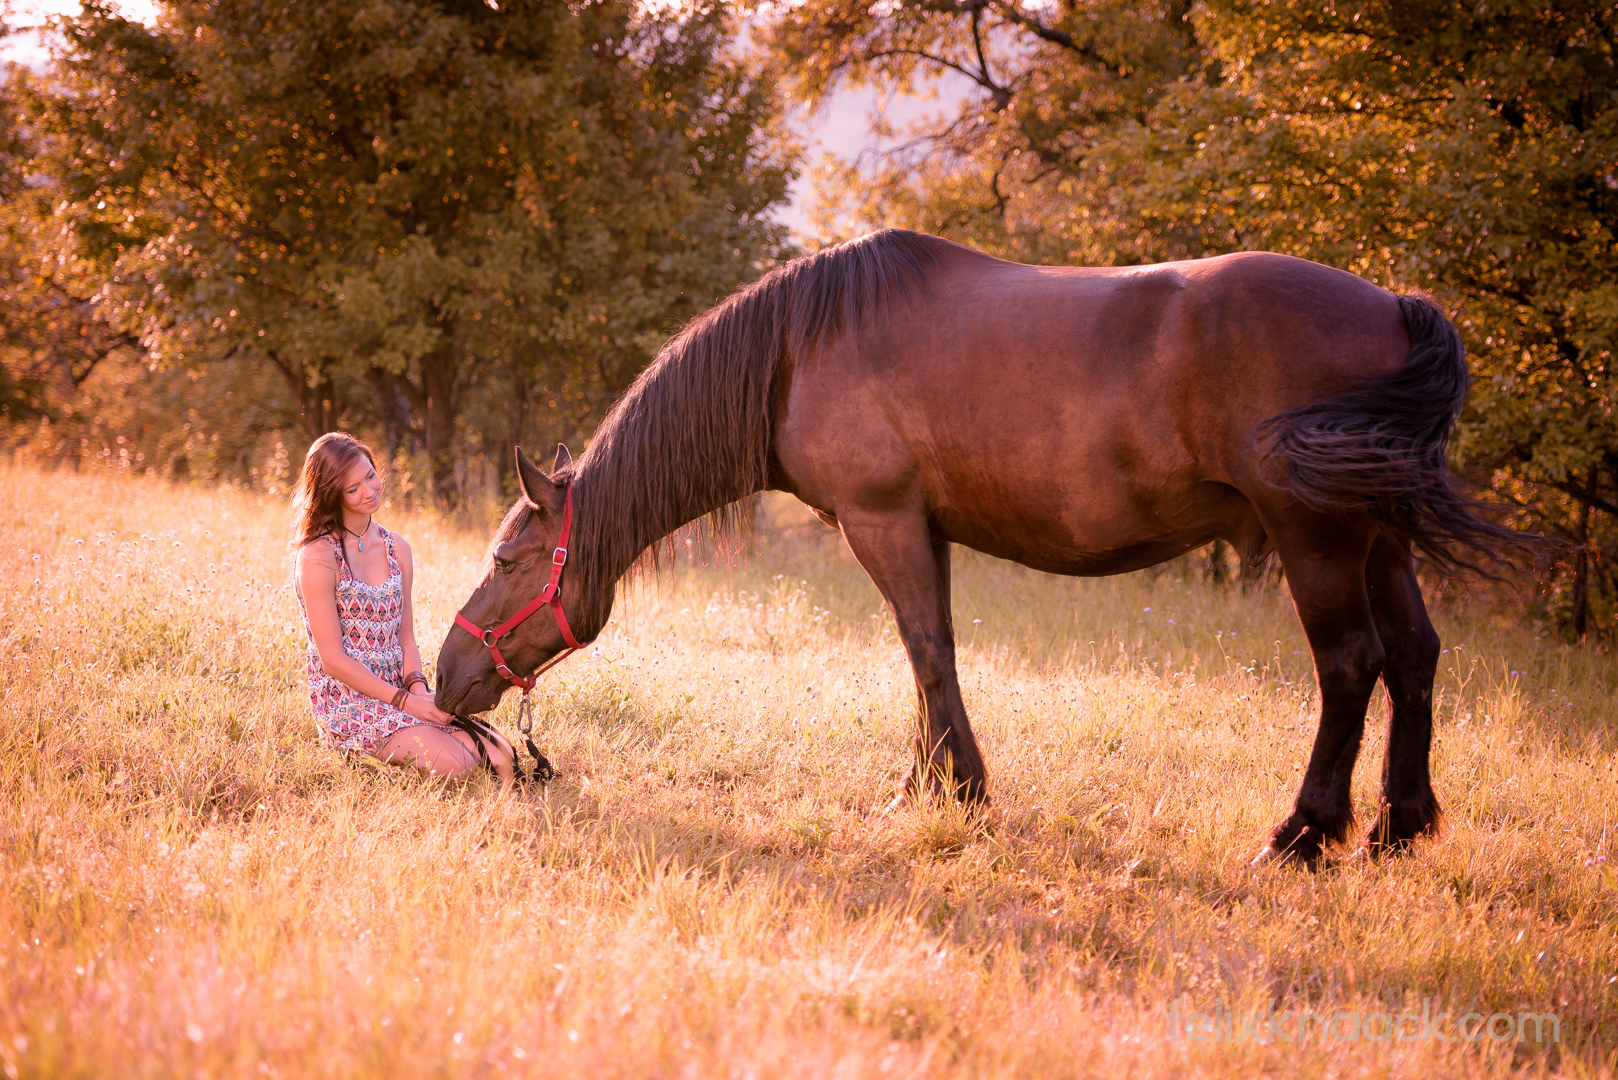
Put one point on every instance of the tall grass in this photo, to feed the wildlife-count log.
(195, 886)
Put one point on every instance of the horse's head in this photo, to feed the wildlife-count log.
(515, 572)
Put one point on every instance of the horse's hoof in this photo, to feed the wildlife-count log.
(1305, 850)
(1290, 859)
(1273, 856)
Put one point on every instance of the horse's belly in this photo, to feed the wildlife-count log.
(1098, 531)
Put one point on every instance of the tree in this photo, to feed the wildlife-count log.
(416, 213)
(1465, 149)
(50, 341)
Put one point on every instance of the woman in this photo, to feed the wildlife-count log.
(353, 584)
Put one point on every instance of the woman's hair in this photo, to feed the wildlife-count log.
(317, 502)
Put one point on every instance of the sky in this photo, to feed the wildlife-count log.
(842, 126)
(28, 49)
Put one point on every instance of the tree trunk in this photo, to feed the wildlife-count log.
(317, 401)
(317, 406)
(325, 410)
(1218, 570)
(518, 406)
(1581, 565)
(392, 409)
(440, 406)
(436, 400)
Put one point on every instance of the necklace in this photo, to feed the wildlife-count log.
(359, 535)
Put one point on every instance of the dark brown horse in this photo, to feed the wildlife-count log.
(916, 394)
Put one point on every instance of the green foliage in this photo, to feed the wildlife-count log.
(445, 224)
(1467, 150)
(47, 337)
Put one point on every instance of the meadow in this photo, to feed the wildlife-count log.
(195, 886)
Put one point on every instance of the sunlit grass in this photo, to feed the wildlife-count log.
(196, 886)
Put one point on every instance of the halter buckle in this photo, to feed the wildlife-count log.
(559, 557)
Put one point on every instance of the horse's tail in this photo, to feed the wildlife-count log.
(1379, 449)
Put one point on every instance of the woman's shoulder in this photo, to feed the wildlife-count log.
(321, 551)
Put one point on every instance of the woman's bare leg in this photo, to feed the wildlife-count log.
(430, 749)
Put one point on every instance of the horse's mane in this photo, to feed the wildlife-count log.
(692, 435)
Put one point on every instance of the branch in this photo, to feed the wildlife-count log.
(417, 398)
(1583, 495)
(1002, 95)
(1057, 37)
(122, 341)
(1000, 198)
(883, 54)
(294, 379)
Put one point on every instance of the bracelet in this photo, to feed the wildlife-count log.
(399, 698)
(416, 677)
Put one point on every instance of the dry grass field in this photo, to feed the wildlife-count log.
(195, 887)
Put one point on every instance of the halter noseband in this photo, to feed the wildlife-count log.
(549, 596)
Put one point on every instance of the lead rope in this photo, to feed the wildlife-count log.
(483, 736)
(542, 770)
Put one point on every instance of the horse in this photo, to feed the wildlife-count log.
(915, 394)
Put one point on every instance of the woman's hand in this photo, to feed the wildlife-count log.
(421, 706)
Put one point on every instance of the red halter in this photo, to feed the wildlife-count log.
(548, 596)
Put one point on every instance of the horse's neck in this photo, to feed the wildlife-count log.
(634, 505)
(690, 437)
(630, 534)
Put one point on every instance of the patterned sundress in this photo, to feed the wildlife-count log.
(369, 616)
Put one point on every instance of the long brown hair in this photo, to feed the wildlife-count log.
(317, 502)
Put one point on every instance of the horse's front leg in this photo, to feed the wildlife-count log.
(911, 568)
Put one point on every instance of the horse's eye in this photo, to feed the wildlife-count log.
(503, 566)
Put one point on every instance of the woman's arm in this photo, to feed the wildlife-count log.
(317, 584)
(421, 696)
(407, 621)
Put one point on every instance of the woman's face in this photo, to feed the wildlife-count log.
(362, 488)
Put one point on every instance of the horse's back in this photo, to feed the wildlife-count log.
(1295, 327)
(1076, 418)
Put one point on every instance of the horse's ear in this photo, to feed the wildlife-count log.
(562, 458)
(535, 484)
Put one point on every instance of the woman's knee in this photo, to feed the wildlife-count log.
(430, 749)
(499, 751)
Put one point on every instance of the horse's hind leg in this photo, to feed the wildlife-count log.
(1325, 565)
(1408, 807)
(911, 569)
